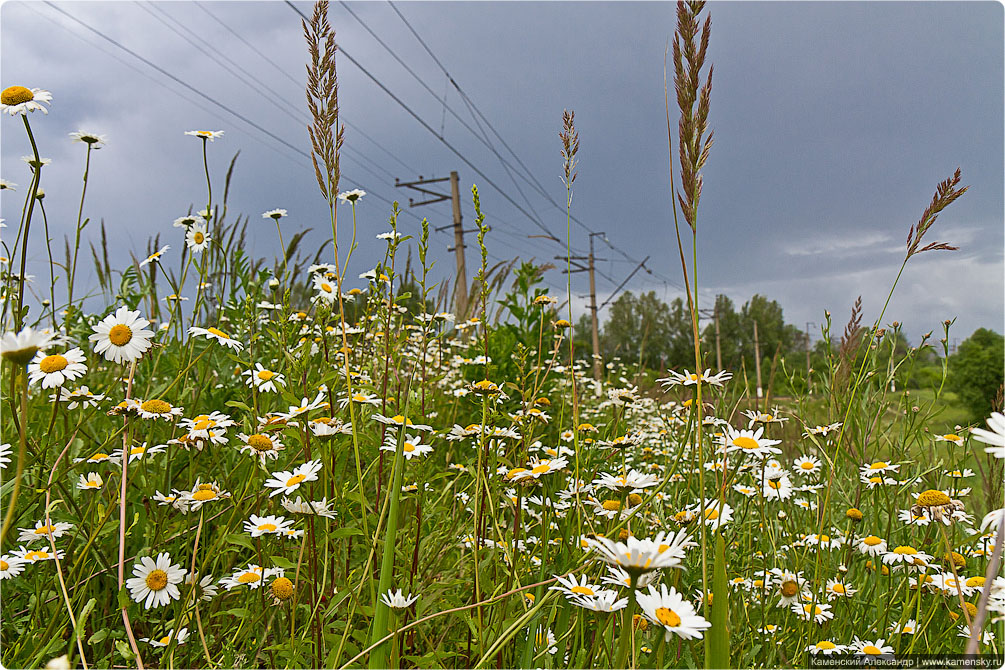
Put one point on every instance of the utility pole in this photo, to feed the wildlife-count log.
(591, 263)
(714, 314)
(757, 362)
(718, 348)
(461, 282)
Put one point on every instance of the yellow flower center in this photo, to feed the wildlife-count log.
(667, 617)
(872, 650)
(295, 479)
(198, 237)
(745, 442)
(135, 451)
(156, 580)
(53, 363)
(249, 577)
(166, 640)
(260, 442)
(904, 549)
(611, 505)
(932, 498)
(156, 407)
(120, 334)
(514, 472)
(15, 95)
(712, 514)
(98, 456)
(975, 581)
(36, 555)
(838, 588)
(542, 468)
(282, 588)
(582, 590)
(4, 565)
(203, 495)
(824, 539)
(268, 527)
(789, 588)
(218, 333)
(806, 465)
(326, 287)
(814, 609)
(951, 436)
(878, 465)
(204, 424)
(825, 644)
(409, 447)
(43, 530)
(265, 375)
(775, 483)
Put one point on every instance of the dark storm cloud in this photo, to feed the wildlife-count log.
(833, 121)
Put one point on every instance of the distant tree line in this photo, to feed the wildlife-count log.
(643, 330)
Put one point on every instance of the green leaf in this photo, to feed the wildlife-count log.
(98, 636)
(283, 563)
(718, 655)
(240, 540)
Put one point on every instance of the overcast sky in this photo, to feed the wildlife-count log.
(834, 122)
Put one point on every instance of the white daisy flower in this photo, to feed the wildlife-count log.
(155, 582)
(122, 337)
(20, 100)
(218, 335)
(573, 588)
(155, 256)
(630, 481)
(196, 237)
(806, 465)
(749, 442)
(810, 612)
(136, 452)
(413, 446)
(908, 556)
(263, 379)
(287, 482)
(5, 452)
(180, 638)
(10, 566)
(78, 397)
(202, 494)
(261, 445)
(994, 437)
(869, 648)
(57, 369)
(351, 196)
(300, 506)
(205, 588)
(37, 555)
(21, 347)
(205, 134)
(264, 525)
(185, 221)
(668, 608)
(251, 576)
(91, 482)
(637, 556)
(325, 289)
(159, 409)
(43, 531)
(274, 214)
(909, 628)
(94, 140)
(395, 599)
(872, 545)
(878, 468)
(606, 600)
(826, 647)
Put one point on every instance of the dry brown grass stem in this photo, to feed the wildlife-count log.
(689, 49)
(945, 194)
(322, 100)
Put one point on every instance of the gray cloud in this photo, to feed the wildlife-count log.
(833, 121)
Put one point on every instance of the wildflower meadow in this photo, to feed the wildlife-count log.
(321, 460)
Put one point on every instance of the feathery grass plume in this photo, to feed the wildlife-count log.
(322, 99)
(570, 146)
(688, 60)
(945, 194)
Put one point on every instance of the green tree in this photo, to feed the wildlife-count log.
(976, 371)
